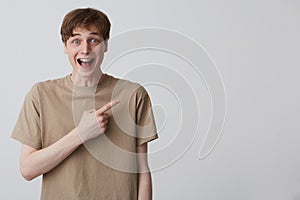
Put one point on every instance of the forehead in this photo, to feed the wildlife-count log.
(86, 30)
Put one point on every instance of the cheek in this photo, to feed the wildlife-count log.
(70, 49)
(72, 53)
(99, 49)
(72, 57)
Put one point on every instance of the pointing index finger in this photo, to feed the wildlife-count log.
(107, 106)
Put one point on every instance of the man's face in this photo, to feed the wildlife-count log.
(85, 50)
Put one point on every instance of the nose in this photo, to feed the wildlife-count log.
(85, 48)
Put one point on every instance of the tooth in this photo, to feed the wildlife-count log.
(85, 59)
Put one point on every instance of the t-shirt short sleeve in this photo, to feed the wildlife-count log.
(27, 129)
(146, 128)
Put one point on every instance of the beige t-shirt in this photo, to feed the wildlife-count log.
(104, 167)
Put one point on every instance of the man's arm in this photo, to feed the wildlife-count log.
(144, 177)
(34, 163)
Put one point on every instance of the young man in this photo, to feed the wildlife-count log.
(65, 122)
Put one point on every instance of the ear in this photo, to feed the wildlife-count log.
(105, 45)
(65, 48)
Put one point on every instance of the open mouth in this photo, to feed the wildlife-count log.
(85, 62)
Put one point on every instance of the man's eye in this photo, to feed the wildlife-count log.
(94, 40)
(75, 42)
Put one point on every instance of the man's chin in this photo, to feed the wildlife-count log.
(87, 72)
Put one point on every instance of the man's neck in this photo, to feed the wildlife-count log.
(88, 81)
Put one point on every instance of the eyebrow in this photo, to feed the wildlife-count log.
(92, 33)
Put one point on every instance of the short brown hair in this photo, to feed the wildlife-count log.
(84, 18)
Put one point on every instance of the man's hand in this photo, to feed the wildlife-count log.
(94, 122)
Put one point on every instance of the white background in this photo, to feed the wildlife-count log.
(255, 45)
